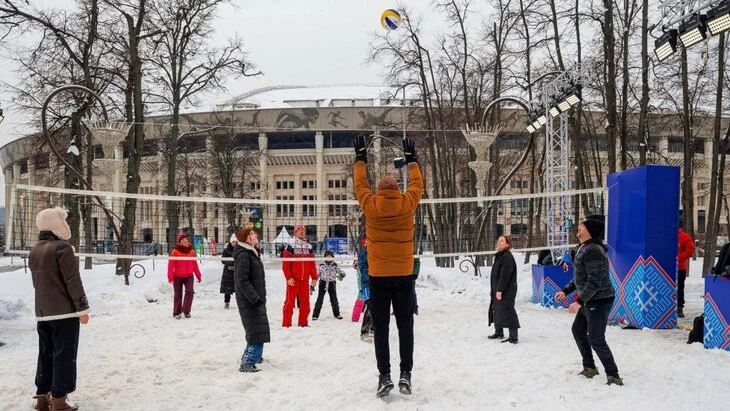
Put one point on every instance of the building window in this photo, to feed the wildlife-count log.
(700, 221)
(702, 186)
(337, 183)
(701, 201)
(309, 210)
(676, 145)
(519, 207)
(519, 184)
(285, 184)
(309, 184)
(337, 210)
(284, 210)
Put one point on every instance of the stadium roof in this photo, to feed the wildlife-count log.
(291, 96)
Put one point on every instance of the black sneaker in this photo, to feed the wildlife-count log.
(385, 384)
(496, 336)
(248, 368)
(404, 383)
(511, 340)
(315, 318)
(339, 317)
(187, 315)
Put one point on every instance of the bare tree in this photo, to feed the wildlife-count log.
(185, 66)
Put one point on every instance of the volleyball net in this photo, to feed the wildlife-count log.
(443, 227)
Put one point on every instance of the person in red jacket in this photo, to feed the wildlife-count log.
(180, 273)
(686, 250)
(298, 275)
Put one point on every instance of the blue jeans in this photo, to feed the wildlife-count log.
(252, 354)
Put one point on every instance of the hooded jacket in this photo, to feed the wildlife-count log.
(686, 249)
(183, 268)
(590, 275)
(389, 224)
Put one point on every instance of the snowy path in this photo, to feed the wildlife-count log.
(134, 356)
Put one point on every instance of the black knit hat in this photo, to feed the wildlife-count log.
(595, 226)
(329, 253)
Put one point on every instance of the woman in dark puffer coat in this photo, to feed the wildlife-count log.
(250, 287)
(504, 292)
(227, 285)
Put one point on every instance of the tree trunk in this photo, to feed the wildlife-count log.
(609, 44)
(643, 131)
(687, 169)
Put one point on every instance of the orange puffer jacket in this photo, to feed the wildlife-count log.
(389, 222)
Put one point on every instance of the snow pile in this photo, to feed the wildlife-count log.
(134, 356)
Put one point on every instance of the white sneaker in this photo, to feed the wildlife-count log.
(177, 317)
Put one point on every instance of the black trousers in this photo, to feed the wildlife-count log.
(681, 277)
(331, 288)
(58, 344)
(226, 298)
(367, 319)
(589, 331)
(397, 291)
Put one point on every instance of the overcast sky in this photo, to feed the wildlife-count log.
(308, 42)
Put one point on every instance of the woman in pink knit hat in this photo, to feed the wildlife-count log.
(180, 273)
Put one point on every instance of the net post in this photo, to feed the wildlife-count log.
(11, 213)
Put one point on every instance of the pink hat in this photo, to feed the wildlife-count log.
(298, 228)
(182, 235)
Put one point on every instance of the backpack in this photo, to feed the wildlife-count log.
(698, 330)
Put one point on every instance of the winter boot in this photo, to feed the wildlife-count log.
(680, 312)
(43, 402)
(385, 384)
(60, 404)
(404, 383)
(589, 372)
(248, 368)
(512, 336)
(227, 306)
(614, 379)
(498, 334)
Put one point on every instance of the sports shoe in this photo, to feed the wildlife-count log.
(367, 337)
(339, 317)
(248, 368)
(385, 384)
(496, 336)
(177, 317)
(614, 379)
(404, 383)
(187, 315)
(511, 340)
(589, 372)
(680, 312)
(227, 306)
(315, 318)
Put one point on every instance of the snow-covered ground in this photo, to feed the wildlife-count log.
(134, 356)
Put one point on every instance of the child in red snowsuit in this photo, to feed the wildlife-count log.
(180, 273)
(298, 275)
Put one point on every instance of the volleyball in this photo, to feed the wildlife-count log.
(390, 19)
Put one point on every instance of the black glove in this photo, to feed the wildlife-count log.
(409, 150)
(361, 153)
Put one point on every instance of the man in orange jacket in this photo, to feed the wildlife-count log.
(298, 274)
(389, 228)
(686, 250)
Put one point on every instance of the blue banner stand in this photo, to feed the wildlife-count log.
(643, 217)
(717, 312)
(547, 280)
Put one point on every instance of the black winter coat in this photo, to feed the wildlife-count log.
(504, 278)
(590, 275)
(227, 285)
(250, 283)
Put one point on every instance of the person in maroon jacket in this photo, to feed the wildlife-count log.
(180, 273)
(298, 275)
(686, 250)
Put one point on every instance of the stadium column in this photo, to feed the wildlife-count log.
(30, 204)
(8, 178)
(209, 207)
(24, 220)
(321, 217)
(159, 220)
(119, 181)
(264, 181)
(377, 144)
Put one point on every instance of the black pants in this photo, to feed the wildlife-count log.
(397, 291)
(589, 331)
(681, 276)
(226, 298)
(331, 288)
(58, 344)
(367, 319)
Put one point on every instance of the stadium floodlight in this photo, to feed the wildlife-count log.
(554, 111)
(564, 105)
(693, 30)
(665, 45)
(530, 128)
(718, 18)
(574, 95)
(542, 119)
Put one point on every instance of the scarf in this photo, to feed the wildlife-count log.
(300, 246)
(250, 247)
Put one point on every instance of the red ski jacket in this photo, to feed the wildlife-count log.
(182, 268)
(686, 249)
(299, 270)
